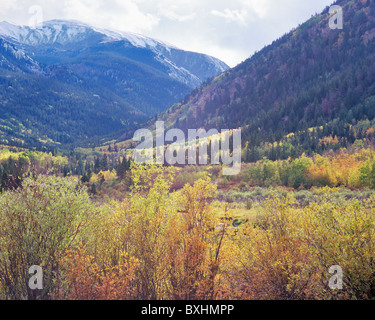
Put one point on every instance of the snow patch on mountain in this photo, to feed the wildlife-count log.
(220, 65)
(179, 73)
(25, 62)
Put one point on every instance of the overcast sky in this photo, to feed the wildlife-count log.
(230, 30)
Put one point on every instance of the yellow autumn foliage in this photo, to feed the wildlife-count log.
(108, 176)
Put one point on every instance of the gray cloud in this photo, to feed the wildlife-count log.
(231, 31)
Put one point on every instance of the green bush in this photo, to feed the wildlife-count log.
(38, 223)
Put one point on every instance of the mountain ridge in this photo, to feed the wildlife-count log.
(63, 32)
(125, 77)
(311, 78)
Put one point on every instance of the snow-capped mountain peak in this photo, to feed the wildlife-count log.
(73, 36)
(69, 31)
(50, 32)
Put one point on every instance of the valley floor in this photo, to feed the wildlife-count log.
(186, 233)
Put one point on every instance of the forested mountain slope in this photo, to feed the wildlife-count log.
(312, 84)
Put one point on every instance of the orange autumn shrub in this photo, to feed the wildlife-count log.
(85, 279)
